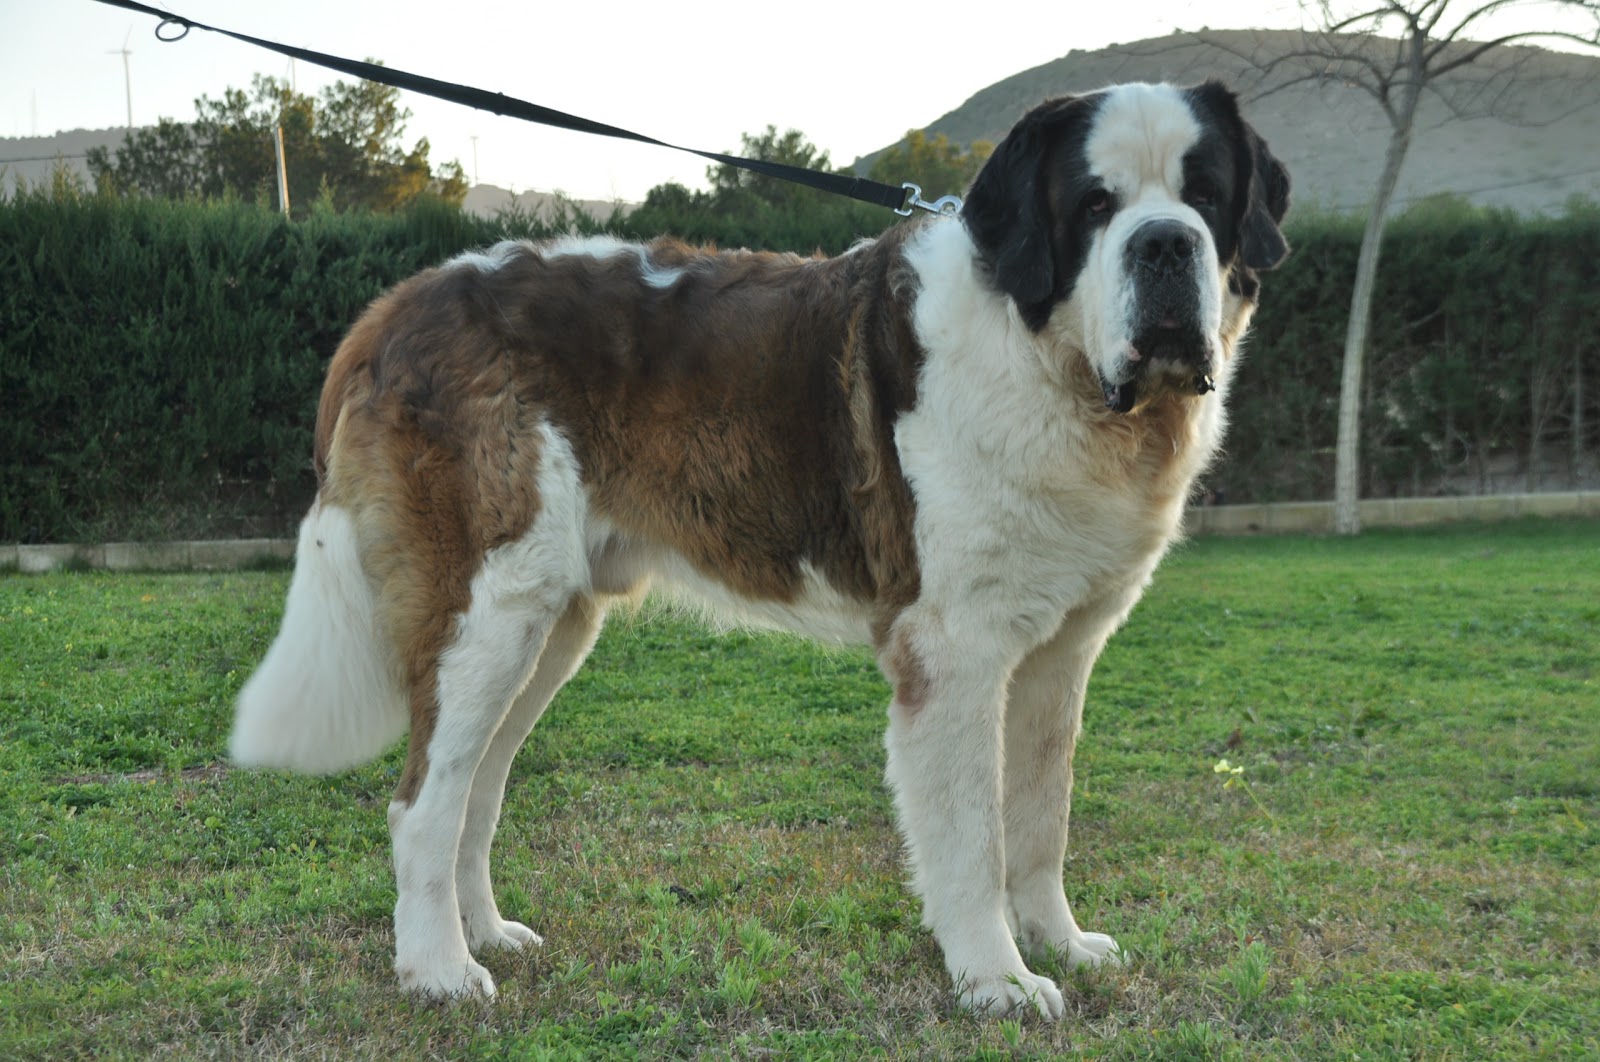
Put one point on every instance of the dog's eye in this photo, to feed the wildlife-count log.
(1097, 203)
(1201, 196)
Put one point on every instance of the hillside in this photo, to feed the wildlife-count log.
(1332, 137)
(39, 154)
(487, 200)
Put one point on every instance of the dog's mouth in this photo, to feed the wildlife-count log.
(1120, 397)
(1167, 354)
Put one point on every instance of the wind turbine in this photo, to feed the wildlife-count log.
(127, 76)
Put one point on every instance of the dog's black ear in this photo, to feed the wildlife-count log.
(1263, 183)
(1006, 215)
(1261, 241)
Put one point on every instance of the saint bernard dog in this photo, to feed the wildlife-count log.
(965, 444)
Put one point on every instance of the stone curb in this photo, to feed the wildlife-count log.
(1317, 517)
(148, 556)
(1281, 518)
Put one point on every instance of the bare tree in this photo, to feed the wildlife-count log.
(1398, 52)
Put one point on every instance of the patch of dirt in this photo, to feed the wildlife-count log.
(210, 772)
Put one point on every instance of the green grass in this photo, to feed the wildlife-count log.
(700, 831)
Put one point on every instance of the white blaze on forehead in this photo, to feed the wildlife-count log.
(1136, 148)
(1140, 136)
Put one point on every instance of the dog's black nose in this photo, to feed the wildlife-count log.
(1163, 245)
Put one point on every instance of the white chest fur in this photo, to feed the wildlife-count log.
(1022, 514)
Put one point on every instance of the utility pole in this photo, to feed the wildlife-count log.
(474, 158)
(127, 75)
(277, 141)
(283, 172)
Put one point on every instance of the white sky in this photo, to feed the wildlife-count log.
(853, 76)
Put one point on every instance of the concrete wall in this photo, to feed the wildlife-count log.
(148, 556)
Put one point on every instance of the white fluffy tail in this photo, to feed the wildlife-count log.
(327, 696)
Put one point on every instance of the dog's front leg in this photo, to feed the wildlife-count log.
(944, 744)
(1043, 717)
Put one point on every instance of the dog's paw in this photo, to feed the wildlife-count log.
(501, 934)
(1006, 993)
(448, 981)
(1093, 949)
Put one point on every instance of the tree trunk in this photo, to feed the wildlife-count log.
(1347, 449)
(1535, 428)
(1577, 419)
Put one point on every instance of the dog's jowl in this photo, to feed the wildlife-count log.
(966, 444)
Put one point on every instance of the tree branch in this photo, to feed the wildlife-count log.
(1376, 15)
(1478, 49)
(1488, 7)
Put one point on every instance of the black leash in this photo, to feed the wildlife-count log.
(902, 200)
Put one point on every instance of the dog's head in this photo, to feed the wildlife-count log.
(1130, 224)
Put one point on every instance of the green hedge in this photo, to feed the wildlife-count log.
(1483, 371)
(160, 361)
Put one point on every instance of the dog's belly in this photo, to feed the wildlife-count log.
(815, 609)
(818, 611)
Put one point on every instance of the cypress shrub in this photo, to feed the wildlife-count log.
(1483, 366)
(160, 361)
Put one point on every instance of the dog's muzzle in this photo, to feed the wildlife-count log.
(1160, 259)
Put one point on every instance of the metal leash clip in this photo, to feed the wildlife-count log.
(946, 205)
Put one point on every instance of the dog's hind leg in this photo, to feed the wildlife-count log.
(493, 640)
(569, 642)
(479, 675)
(1043, 717)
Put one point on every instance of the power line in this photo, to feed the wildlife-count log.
(41, 158)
